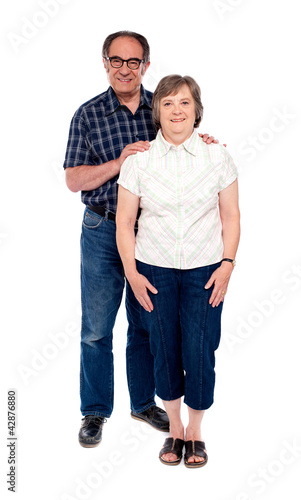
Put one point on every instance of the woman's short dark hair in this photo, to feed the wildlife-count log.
(131, 34)
(170, 85)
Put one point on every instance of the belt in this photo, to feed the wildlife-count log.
(103, 211)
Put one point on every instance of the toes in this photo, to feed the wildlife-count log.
(195, 458)
(169, 457)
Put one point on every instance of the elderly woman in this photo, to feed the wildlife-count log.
(181, 260)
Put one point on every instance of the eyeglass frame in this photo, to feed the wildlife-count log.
(139, 61)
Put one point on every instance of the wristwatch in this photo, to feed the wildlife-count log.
(233, 262)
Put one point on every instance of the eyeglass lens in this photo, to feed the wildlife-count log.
(117, 62)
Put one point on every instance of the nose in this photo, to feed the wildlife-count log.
(124, 69)
(176, 109)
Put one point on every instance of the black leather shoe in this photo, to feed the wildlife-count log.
(154, 416)
(90, 433)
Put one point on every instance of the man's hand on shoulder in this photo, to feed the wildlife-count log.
(209, 139)
(132, 149)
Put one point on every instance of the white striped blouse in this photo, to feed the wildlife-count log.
(179, 226)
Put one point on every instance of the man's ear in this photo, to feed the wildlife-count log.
(105, 63)
(145, 68)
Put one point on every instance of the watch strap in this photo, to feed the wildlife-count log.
(229, 260)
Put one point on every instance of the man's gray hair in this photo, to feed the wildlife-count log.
(131, 34)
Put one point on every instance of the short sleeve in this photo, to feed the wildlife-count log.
(78, 149)
(128, 177)
(228, 173)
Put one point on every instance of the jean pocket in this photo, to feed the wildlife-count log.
(91, 220)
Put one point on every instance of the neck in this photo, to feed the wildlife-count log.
(176, 139)
(131, 101)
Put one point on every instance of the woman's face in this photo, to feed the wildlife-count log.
(177, 116)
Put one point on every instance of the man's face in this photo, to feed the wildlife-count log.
(125, 81)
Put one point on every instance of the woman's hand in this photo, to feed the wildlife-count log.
(140, 285)
(220, 278)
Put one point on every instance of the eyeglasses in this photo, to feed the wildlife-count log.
(117, 62)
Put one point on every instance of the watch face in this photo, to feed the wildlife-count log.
(234, 263)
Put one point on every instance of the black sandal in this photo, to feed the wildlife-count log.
(196, 448)
(172, 445)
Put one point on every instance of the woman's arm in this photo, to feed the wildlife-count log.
(230, 218)
(127, 209)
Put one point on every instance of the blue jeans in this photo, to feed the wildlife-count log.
(102, 284)
(184, 333)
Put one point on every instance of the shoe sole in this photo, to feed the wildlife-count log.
(195, 465)
(92, 445)
(165, 462)
(147, 422)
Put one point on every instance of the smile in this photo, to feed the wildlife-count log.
(178, 120)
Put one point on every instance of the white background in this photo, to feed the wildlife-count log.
(245, 56)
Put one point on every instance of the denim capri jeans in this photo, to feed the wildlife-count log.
(184, 332)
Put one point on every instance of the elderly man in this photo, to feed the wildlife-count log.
(103, 133)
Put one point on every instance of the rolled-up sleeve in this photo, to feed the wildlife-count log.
(78, 150)
(128, 177)
(228, 172)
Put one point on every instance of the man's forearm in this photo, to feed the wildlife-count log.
(88, 177)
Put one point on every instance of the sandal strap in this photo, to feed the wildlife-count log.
(196, 448)
(172, 445)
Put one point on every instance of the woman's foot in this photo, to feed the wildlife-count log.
(192, 435)
(173, 448)
(193, 450)
(177, 433)
(173, 409)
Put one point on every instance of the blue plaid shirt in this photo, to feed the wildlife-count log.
(99, 131)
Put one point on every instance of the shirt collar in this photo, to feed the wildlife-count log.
(190, 145)
(112, 103)
(145, 97)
